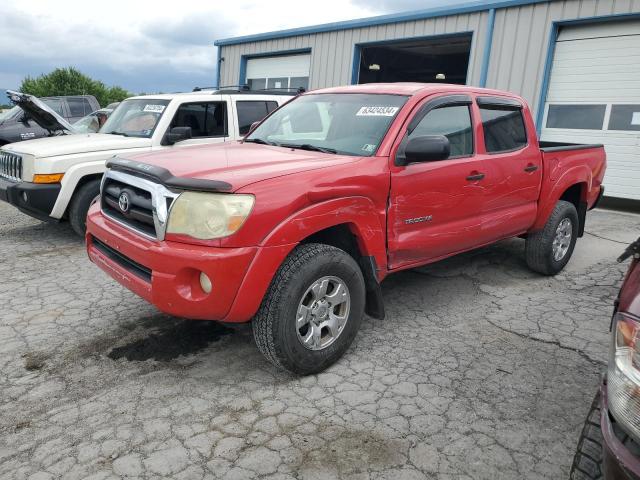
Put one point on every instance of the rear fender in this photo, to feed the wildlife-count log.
(552, 192)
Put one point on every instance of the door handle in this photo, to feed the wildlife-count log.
(530, 168)
(475, 177)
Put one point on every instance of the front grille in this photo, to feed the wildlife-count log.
(134, 267)
(139, 214)
(10, 166)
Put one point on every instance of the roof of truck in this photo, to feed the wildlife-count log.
(411, 89)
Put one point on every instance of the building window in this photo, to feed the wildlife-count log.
(625, 117)
(576, 117)
(257, 83)
(503, 128)
(453, 122)
(252, 111)
(278, 83)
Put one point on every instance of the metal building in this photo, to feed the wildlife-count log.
(577, 63)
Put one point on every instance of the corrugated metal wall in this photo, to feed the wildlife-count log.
(518, 53)
(521, 36)
(332, 52)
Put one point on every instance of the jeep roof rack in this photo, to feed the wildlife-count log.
(244, 89)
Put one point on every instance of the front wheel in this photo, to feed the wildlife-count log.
(312, 311)
(80, 204)
(549, 250)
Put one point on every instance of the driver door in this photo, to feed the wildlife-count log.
(435, 207)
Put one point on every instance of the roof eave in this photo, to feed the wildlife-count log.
(469, 7)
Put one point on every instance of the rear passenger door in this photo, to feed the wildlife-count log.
(251, 111)
(434, 207)
(209, 122)
(513, 169)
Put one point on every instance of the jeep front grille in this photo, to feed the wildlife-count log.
(10, 166)
(136, 203)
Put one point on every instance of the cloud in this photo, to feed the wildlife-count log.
(138, 44)
(395, 6)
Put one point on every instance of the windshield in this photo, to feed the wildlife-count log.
(135, 118)
(348, 123)
(11, 113)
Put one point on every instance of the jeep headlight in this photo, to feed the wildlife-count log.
(623, 378)
(206, 216)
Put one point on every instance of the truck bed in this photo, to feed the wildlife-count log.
(561, 146)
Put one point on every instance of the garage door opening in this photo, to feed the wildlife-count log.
(442, 59)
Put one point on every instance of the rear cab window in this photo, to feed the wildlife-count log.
(502, 124)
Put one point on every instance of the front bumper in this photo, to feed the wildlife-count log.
(166, 273)
(34, 199)
(618, 462)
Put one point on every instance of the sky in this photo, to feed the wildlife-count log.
(153, 46)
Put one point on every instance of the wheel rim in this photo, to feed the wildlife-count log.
(323, 312)
(562, 239)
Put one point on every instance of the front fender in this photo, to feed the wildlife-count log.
(358, 213)
(552, 191)
(70, 181)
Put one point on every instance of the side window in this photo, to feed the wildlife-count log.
(249, 112)
(503, 128)
(271, 106)
(454, 122)
(55, 104)
(206, 119)
(79, 107)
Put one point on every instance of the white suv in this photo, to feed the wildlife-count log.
(58, 177)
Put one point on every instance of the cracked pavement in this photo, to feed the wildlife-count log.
(481, 370)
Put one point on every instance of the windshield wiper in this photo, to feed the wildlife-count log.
(308, 146)
(260, 142)
(119, 133)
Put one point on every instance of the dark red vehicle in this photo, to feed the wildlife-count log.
(295, 227)
(609, 447)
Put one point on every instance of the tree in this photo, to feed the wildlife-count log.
(69, 81)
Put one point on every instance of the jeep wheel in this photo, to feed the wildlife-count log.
(80, 204)
(312, 310)
(550, 249)
(587, 462)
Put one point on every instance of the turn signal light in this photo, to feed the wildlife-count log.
(48, 178)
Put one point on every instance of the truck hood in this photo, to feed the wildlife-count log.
(238, 164)
(80, 143)
(40, 112)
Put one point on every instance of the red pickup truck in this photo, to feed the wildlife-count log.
(294, 227)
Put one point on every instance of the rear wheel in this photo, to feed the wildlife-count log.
(549, 250)
(80, 204)
(312, 311)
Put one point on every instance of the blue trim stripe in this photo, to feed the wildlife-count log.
(218, 66)
(440, 11)
(486, 56)
(548, 64)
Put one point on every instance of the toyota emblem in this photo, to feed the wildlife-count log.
(123, 202)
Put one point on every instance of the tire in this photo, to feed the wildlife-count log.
(587, 462)
(539, 250)
(275, 329)
(80, 204)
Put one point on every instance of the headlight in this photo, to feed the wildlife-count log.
(623, 379)
(206, 216)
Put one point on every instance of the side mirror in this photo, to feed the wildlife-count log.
(177, 134)
(426, 148)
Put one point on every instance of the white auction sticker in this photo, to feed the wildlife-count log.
(154, 108)
(377, 111)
